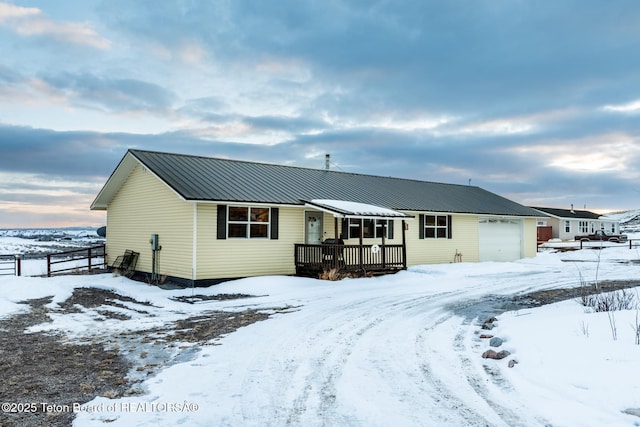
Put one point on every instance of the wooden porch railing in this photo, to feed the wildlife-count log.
(353, 258)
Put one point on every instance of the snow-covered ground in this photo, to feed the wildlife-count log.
(629, 220)
(32, 246)
(36, 242)
(397, 350)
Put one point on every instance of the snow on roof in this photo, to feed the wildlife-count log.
(347, 209)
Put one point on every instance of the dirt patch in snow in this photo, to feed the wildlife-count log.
(40, 369)
(220, 297)
(495, 305)
(45, 374)
(540, 298)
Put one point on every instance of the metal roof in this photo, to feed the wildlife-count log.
(568, 213)
(346, 209)
(198, 178)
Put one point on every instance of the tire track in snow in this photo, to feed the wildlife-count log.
(316, 354)
(483, 379)
(316, 402)
(334, 364)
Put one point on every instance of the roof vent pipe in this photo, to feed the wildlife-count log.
(327, 161)
(572, 211)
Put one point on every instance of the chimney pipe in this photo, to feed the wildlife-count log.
(572, 211)
(327, 161)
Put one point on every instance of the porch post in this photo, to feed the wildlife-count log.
(404, 245)
(384, 255)
(335, 242)
(360, 249)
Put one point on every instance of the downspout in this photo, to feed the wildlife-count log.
(404, 245)
(194, 256)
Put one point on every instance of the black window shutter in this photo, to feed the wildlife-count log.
(345, 229)
(420, 226)
(275, 220)
(449, 236)
(222, 221)
(390, 226)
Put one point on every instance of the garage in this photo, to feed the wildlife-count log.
(500, 239)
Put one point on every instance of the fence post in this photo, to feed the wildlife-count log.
(48, 265)
(89, 258)
(18, 265)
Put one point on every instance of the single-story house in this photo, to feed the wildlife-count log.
(567, 223)
(203, 220)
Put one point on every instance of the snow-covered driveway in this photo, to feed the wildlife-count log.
(387, 351)
(398, 350)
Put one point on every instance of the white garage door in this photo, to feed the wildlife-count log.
(500, 239)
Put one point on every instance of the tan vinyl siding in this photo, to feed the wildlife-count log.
(144, 206)
(329, 226)
(227, 258)
(464, 230)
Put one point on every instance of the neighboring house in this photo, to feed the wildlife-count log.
(217, 219)
(567, 223)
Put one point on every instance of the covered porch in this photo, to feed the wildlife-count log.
(332, 253)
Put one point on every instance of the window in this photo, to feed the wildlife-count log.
(567, 226)
(371, 228)
(354, 228)
(435, 226)
(583, 226)
(613, 228)
(593, 227)
(248, 222)
(388, 226)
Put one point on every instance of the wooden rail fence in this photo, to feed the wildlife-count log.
(61, 262)
(600, 244)
(10, 265)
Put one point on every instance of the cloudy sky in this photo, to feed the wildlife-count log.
(536, 101)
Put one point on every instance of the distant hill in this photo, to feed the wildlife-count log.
(629, 220)
(34, 233)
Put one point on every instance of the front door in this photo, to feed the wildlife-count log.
(313, 228)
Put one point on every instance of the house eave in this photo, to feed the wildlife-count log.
(114, 182)
(118, 178)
